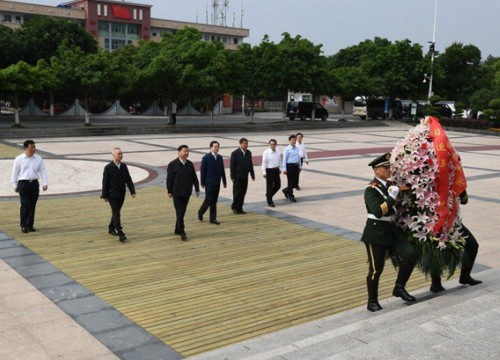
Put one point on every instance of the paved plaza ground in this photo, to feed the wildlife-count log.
(71, 291)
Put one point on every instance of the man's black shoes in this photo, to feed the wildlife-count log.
(122, 236)
(184, 236)
(469, 280)
(214, 222)
(373, 306)
(400, 292)
(292, 199)
(271, 204)
(113, 232)
(25, 230)
(31, 229)
(200, 216)
(285, 193)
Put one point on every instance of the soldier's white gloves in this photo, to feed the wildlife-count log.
(393, 191)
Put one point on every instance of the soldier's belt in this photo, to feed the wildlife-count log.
(383, 218)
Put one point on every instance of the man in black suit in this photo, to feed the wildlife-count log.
(211, 174)
(115, 177)
(181, 176)
(240, 166)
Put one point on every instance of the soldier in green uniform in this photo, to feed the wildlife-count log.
(381, 235)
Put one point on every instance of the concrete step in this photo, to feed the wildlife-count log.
(461, 322)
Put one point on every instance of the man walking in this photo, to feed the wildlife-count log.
(291, 167)
(115, 179)
(271, 161)
(240, 166)
(27, 168)
(303, 154)
(211, 174)
(381, 235)
(181, 176)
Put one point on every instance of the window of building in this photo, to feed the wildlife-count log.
(107, 45)
(19, 20)
(133, 31)
(118, 30)
(105, 8)
(140, 14)
(7, 18)
(103, 28)
(98, 9)
(117, 44)
(235, 41)
(135, 14)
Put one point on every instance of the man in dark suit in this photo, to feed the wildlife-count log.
(381, 235)
(115, 177)
(240, 166)
(211, 174)
(181, 176)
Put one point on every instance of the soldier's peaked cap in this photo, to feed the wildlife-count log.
(382, 160)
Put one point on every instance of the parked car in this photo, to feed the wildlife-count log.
(401, 108)
(303, 110)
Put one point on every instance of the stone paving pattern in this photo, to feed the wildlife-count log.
(331, 200)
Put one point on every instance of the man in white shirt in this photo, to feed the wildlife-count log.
(271, 160)
(27, 168)
(302, 153)
(291, 167)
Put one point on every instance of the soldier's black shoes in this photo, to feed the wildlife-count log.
(285, 193)
(373, 306)
(25, 230)
(436, 286)
(400, 292)
(113, 232)
(200, 216)
(469, 280)
(184, 236)
(32, 229)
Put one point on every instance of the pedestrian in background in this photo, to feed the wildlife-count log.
(181, 177)
(291, 167)
(27, 169)
(211, 173)
(115, 180)
(240, 166)
(303, 155)
(271, 161)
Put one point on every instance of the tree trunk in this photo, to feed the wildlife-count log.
(87, 116)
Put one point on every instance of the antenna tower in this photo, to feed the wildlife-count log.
(220, 12)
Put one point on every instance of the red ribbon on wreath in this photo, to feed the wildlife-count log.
(446, 155)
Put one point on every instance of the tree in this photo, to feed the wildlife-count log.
(458, 72)
(18, 79)
(41, 36)
(8, 47)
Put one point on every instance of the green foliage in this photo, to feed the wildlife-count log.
(41, 36)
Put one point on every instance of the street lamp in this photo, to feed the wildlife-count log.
(432, 50)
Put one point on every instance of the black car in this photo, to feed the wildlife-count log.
(303, 110)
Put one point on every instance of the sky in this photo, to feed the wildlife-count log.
(339, 24)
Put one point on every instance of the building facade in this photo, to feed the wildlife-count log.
(115, 24)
